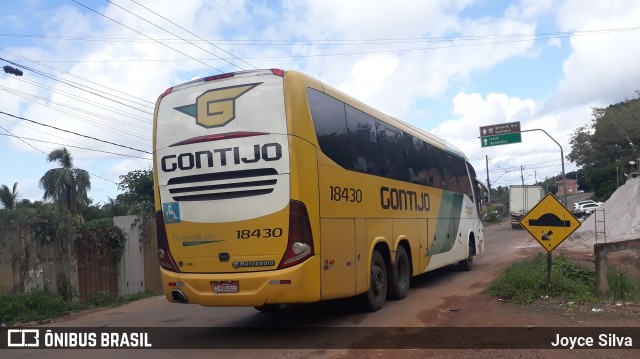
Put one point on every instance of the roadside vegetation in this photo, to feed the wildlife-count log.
(36, 306)
(493, 214)
(526, 281)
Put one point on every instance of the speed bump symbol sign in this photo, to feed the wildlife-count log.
(549, 222)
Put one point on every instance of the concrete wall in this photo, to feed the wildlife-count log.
(28, 262)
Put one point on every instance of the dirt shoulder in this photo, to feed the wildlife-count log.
(486, 312)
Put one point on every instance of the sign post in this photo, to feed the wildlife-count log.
(550, 223)
(500, 134)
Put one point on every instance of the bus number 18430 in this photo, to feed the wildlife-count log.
(345, 194)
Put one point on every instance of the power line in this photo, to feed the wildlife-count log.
(510, 39)
(75, 133)
(28, 144)
(518, 167)
(46, 133)
(84, 100)
(181, 38)
(210, 43)
(149, 103)
(138, 32)
(333, 42)
(72, 146)
(25, 142)
(67, 110)
(78, 86)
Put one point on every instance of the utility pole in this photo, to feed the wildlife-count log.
(545, 181)
(535, 175)
(488, 183)
(522, 174)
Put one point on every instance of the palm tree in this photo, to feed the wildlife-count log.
(9, 198)
(67, 186)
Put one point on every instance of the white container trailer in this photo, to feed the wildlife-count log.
(521, 200)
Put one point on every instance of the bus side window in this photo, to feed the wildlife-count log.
(434, 176)
(331, 127)
(362, 139)
(360, 165)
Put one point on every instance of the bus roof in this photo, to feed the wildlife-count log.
(414, 130)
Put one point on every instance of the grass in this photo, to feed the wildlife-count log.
(622, 287)
(524, 282)
(40, 305)
(36, 305)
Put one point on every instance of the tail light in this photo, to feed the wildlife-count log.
(164, 255)
(300, 243)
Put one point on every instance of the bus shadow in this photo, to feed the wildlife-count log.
(435, 277)
(321, 314)
(331, 312)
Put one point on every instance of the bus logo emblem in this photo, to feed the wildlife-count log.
(216, 108)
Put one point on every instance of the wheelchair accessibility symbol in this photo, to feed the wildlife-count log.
(171, 211)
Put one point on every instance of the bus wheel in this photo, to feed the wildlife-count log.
(374, 298)
(467, 264)
(400, 275)
(268, 308)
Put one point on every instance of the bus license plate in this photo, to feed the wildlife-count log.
(228, 286)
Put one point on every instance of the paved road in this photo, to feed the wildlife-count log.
(417, 310)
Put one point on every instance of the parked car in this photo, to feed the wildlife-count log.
(589, 207)
(578, 204)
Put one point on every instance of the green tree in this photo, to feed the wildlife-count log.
(138, 192)
(66, 185)
(610, 140)
(9, 198)
(113, 208)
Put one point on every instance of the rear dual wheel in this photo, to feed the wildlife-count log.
(374, 298)
(393, 282)
(400, 275)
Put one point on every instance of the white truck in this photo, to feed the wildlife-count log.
(522, 198)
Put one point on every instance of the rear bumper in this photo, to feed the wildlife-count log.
(256, 288)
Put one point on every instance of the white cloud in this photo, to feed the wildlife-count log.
(391, 76)
(602, 67)
(538, 154)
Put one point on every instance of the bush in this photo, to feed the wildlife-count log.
(493, 215)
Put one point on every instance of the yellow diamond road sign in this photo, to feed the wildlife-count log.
(549, 222)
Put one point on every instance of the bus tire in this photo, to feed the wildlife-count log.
(268, 308)
(467, 264)
(373, 299)
(400, 275)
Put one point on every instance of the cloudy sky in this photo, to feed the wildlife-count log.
(96, 68)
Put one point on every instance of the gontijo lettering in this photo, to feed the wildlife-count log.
(400, 199)
(190, 160)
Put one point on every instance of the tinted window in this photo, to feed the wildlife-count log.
(391, 157)
(362, 138)
(331, 127)
(360, 142)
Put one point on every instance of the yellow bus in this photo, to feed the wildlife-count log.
(274, 188)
